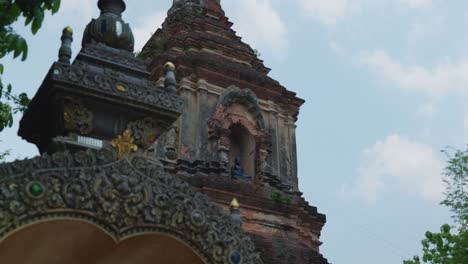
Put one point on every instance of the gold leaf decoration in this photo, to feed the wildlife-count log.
(121, 88)
(124, 144)
(234, 204)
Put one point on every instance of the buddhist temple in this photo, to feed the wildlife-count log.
(184, 152)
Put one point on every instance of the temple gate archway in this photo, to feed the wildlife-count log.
(76, 242)
(117, 204)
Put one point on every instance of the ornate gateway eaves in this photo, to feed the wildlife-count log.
(103, 86)
(113, 89)
(100, 51)
(126, 197)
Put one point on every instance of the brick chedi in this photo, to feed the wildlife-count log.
(236, 137)
(184, 154)
(95, 194)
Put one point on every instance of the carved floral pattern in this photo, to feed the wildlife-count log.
(77, 118)
(145, 131)
(126, 197)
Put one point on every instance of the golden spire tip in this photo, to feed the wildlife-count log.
(235, 204)
(68, 30)
(169, 66)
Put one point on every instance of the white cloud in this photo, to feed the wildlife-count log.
(416, 3)
(427, 110)
(68, 15)
(465, 126)
(87, 8)
(330, 12)
(76, 14)
(397, 165)
(434, 81)
(261, 26)
(426, 28)
(145, 28)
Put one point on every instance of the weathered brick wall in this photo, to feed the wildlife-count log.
(210, 60)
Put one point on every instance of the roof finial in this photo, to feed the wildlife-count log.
(170, 83)
(109, 28)
(65, 51)
(112, 6)
(196, 6)
(235, 213)
(235, 204)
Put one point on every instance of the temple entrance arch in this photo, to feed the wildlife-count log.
(130, 199)
(76, 242)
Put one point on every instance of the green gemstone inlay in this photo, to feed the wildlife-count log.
(36, 189)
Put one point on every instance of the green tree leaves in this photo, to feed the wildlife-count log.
(448, 246)
(34, 11)
(10, 11)
(12, 43)
(20, 103)
(456, 178)
(4, 154)
(6, 116)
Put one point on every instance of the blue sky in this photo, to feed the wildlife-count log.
(385, 84)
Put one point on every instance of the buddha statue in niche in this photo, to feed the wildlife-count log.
(237, 172)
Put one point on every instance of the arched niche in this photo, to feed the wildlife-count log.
(237, 127)
(242, 145)
(76, 242)
(125, 197)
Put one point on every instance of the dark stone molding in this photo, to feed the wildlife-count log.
(125, 197)
(122, 58)
(243, 97)
(103, 83)
(113, 88)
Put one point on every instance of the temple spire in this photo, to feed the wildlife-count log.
(109, 28)
(170, 82)
(112, 6)
(65, 51)
(211, 6)
(236, 218)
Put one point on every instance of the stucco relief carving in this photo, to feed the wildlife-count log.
(126, 197)
(77, 117)
(243, 97)
(145, 131)
(171, 143)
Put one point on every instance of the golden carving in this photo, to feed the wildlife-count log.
(121, 88)
(150, 139)
(145, 131)
(235, 204)
(124, 143)
(169, 66)
(67, 119)
(68, 30)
